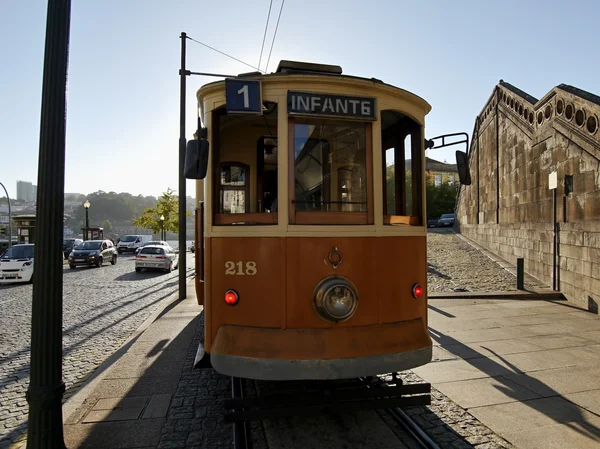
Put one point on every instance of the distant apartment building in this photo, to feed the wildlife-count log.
(26, 191)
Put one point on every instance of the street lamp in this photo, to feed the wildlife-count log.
(86, 205)
(9, 229)
(162, 228)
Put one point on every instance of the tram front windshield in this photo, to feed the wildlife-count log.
(330, 166)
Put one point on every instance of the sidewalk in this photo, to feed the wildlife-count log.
(125, 404)
(529, 370)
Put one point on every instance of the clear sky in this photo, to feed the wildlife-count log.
(123, 87)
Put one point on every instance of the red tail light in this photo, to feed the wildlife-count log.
(417, 291)
(160, 257)
(232, 297)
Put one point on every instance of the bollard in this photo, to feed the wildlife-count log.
(520, 273)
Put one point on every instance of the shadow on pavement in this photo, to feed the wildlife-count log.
(576, 420)
(151, 396)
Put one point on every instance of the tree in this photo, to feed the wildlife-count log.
(167, 206)
(440, 199)
(107, 226)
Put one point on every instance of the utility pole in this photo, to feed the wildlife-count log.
(182, 180)
(46, 387)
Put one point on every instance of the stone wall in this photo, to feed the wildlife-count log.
(509, 208)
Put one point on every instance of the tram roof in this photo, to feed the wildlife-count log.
(288, 68)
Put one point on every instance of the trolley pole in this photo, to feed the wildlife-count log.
(46, 387)
(182, 180)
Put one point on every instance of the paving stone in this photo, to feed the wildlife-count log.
(101, 309)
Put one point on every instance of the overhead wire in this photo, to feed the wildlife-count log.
(265, 36)
(274, 35)
(225, 54)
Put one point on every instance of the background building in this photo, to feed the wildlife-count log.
(441, 172)
(26, 191)
(521, 149)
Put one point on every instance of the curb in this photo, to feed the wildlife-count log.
(518, 295)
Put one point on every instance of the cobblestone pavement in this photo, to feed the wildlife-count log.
(195, 417)
(102, 307)
(455, 265)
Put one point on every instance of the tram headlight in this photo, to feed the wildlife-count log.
(335, 299)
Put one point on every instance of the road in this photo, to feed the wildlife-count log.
(102, 307)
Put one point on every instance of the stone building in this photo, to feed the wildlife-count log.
(520, 147)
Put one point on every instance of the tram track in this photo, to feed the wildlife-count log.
(412, 428)
(408, 429)
(241, 434)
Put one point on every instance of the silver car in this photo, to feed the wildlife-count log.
(152, 242)
(157, 257)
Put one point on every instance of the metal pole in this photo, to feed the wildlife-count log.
(182, 222)
(87, 224)
(9, 229)
(555, 241)
(46, 387)
(520, 273)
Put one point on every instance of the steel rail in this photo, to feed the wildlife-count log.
(240, 431)
(412, 428)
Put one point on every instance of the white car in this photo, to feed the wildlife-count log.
(152, 242)
(16, 264)
(157, 257)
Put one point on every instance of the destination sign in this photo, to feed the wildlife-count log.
(331, 105)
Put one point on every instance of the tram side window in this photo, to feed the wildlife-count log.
(330, 172)
(245, 167)
(402, 189)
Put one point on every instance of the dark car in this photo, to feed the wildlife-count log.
(432, 223)
(93, 253)
(69, 245)
(446, 220)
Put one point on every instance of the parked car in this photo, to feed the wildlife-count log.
(432, 223)
(152, 242)
(93, 253)
(446, 220)
(157, 257)
(130, 243)
(69, 245)
(16, 264)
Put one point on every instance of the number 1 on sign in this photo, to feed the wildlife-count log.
(244, 90)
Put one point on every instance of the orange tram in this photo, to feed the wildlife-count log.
(311, 254)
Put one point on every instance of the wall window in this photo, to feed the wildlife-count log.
(438, 180)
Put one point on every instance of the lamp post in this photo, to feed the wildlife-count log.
(46, 387)
(162, 228)
(9, 229)
(86, 205)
